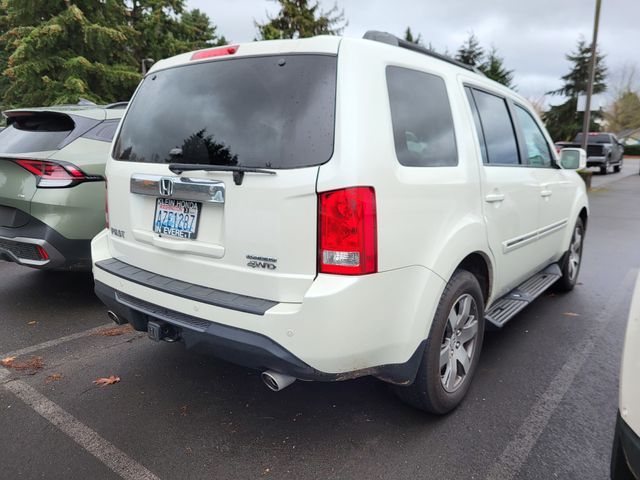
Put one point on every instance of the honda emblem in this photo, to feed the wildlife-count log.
(166, 187)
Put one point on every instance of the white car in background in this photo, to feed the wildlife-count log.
(625, 459)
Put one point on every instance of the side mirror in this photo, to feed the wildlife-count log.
(573, 158)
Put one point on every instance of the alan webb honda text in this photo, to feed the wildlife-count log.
(328, 208)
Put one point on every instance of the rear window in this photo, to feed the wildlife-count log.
(35, 133)
(263, 112)
(594, 138)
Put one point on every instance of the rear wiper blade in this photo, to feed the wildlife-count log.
(238, 172)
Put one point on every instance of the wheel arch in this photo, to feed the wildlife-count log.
(584, 216)
(479, 264)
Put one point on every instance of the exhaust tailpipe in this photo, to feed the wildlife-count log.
(276, 381)
(115, 318)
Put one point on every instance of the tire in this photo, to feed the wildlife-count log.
(619, 468)
(617, 168)
(604, 169)
(435, 389)
(572, 260)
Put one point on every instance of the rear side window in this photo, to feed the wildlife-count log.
(423, 130)
(103, 132)
(263, 112)
(35, 133)
(499, 134)
(536, 146)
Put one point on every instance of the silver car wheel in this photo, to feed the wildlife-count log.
(458, 343)
(575, 253)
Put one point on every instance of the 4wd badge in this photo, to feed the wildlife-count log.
(267, 263)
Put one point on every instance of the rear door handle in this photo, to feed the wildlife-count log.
(494, 197)
(546, 193)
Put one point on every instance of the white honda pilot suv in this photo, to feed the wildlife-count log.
(329, 208)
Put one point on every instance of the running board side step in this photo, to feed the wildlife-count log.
(505, 308)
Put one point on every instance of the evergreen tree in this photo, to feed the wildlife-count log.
(166, 29)
(4, 52)
(300, 19)
(563, 121)
(63, 51)
(575, 82)
(408, 36)
(470, 52)
(493, 67)
(197, 31)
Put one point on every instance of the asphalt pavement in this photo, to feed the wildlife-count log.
(542, 405)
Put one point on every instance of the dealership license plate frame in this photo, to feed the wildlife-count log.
(191, 233)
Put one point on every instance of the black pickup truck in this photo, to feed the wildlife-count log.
(604, 150)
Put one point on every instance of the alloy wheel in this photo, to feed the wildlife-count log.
(458, 343)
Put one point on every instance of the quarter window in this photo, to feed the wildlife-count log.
(536, 146)
(423, 130)
(499, 135)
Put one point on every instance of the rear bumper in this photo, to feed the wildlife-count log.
(630, 443)
(20, 245)
(345, 327)
(242, 347)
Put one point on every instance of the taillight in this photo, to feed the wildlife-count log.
(347, 231)
(215, 52)
(56, 174)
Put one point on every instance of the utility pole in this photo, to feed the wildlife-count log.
(592, 71)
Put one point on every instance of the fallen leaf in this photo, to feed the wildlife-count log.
(7, 362)
(107, 381)
(32, 322)
(183, 410)
(34, 364)
(54, 377)
(115, 331)
(571, 314)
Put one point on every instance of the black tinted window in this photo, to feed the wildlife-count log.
(35, 133)
(421, 115)
(499, 135)
(536, 146)
(478, 125)
(103, 132)
(594, 138)
(271, 112)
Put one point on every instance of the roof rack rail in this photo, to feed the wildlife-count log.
(390, 39)
(116, 105)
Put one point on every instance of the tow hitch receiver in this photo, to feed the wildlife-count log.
(158, 330)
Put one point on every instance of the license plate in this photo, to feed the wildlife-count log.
(176, 218)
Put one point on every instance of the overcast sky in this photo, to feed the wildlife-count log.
(532, 35)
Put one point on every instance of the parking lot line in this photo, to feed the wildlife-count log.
(116, 460)
(518, 449)
(55, 342)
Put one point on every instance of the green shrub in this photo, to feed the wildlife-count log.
(632, 149)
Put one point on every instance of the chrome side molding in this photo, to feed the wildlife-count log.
(182, 188)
